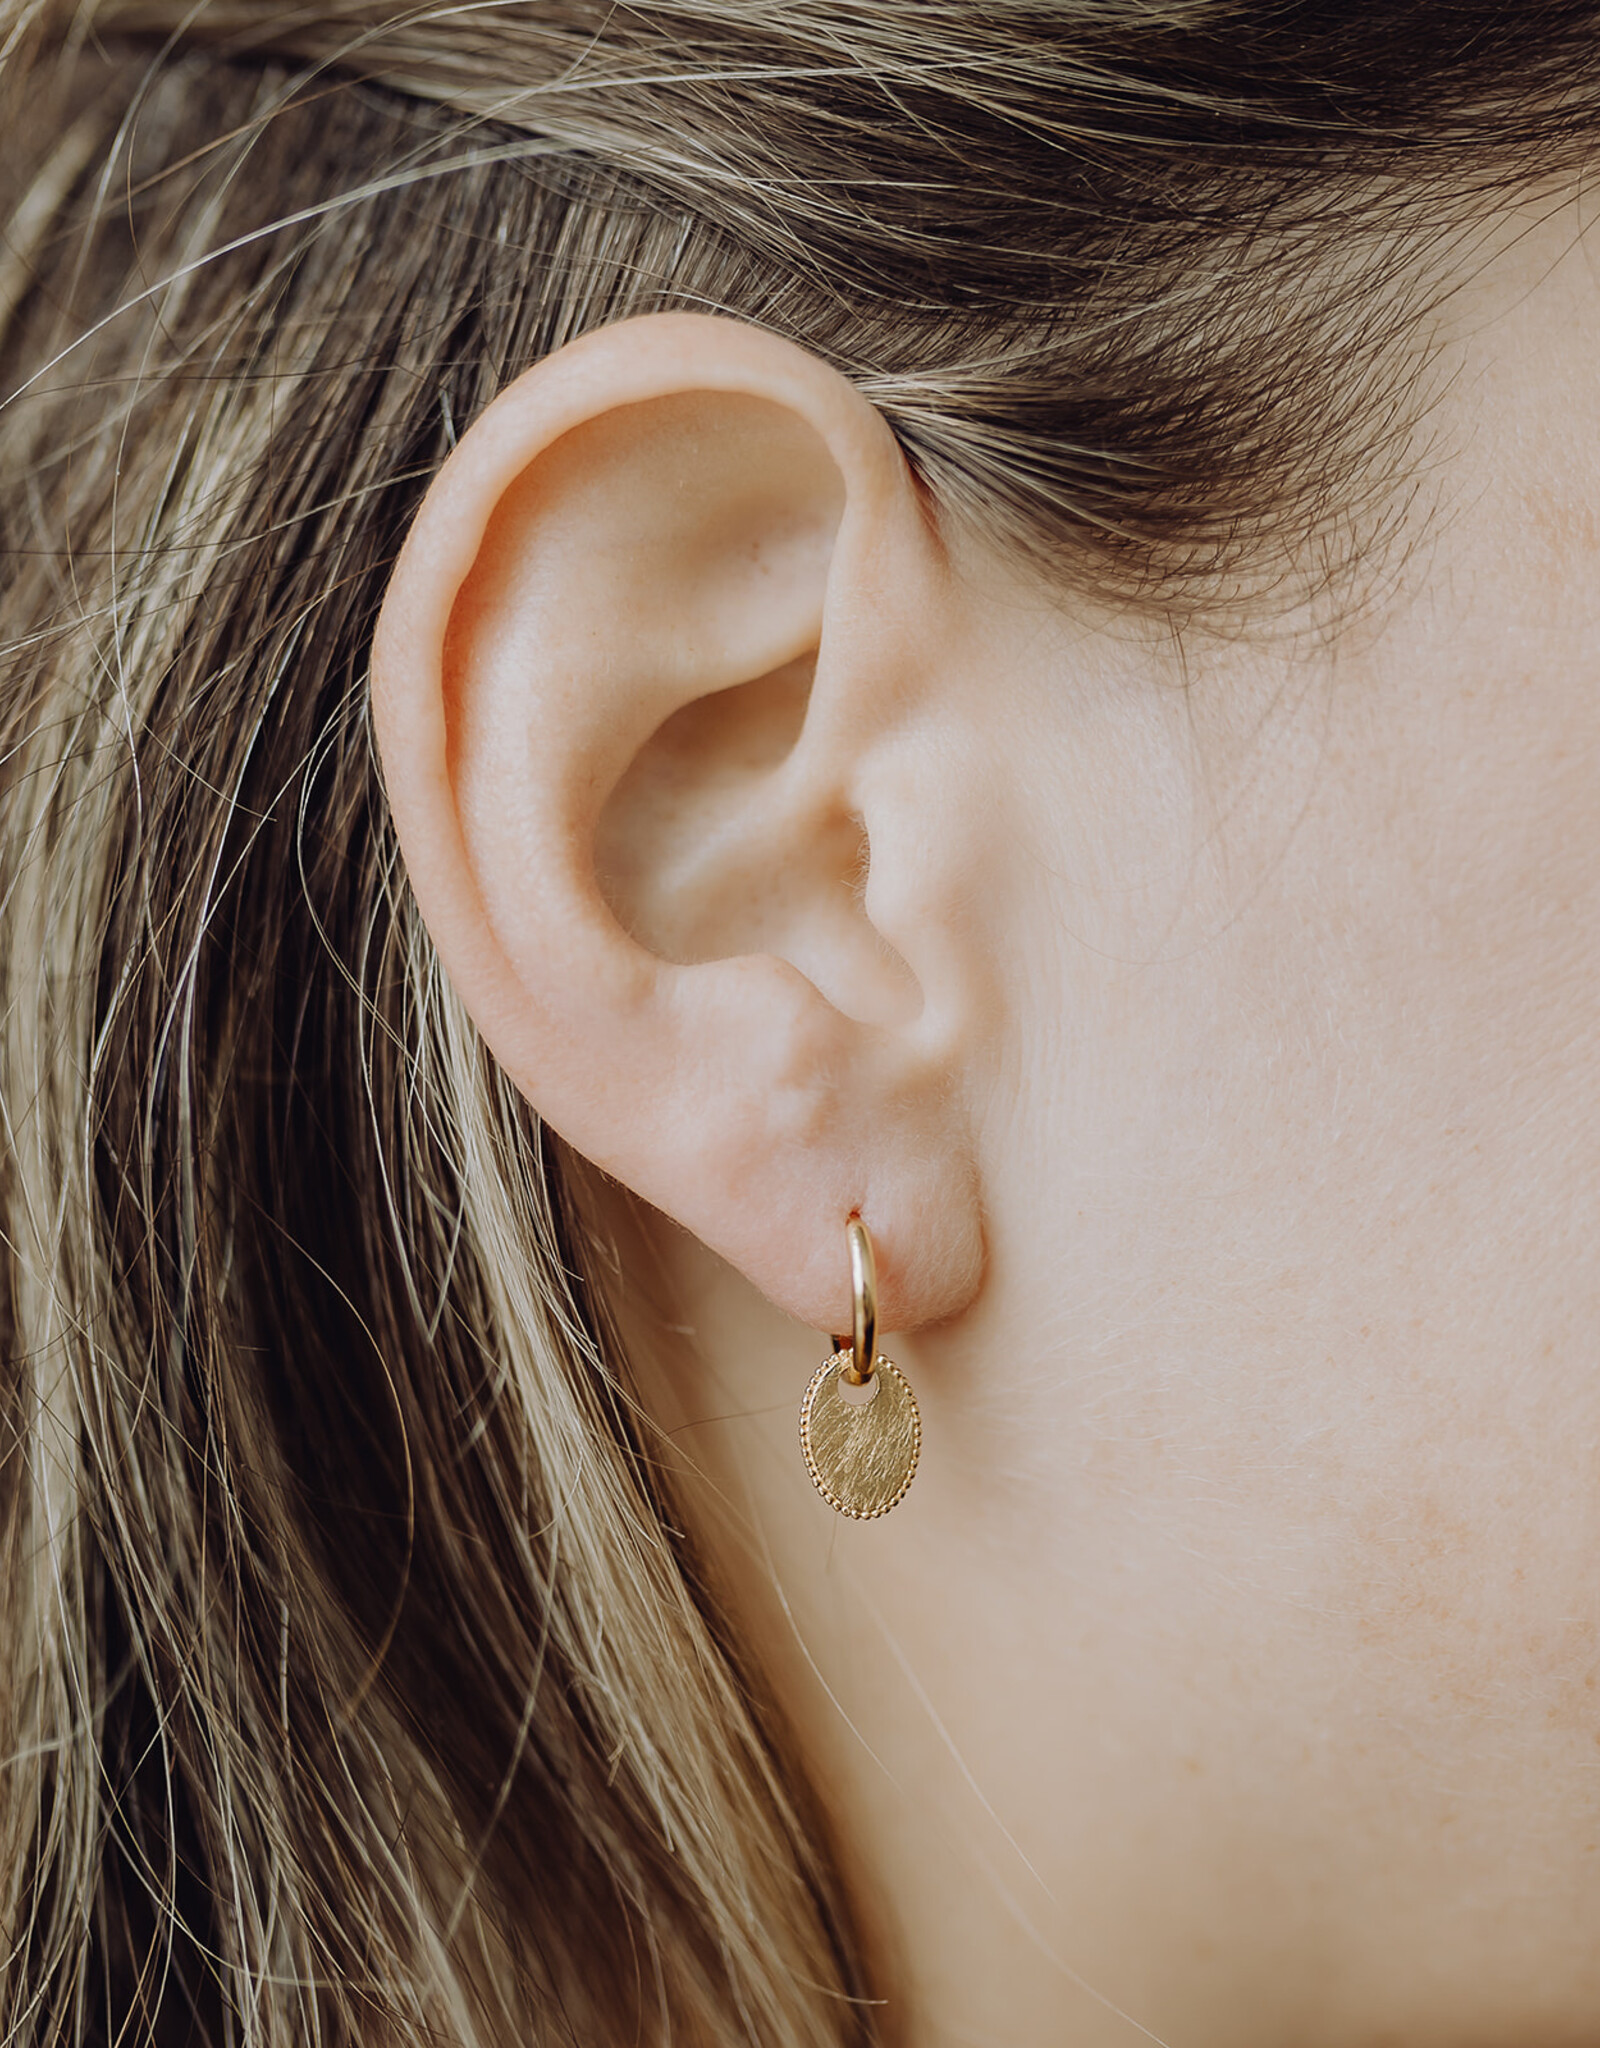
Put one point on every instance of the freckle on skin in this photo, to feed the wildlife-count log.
(1568, 524)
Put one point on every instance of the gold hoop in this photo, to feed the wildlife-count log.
(862, 1349)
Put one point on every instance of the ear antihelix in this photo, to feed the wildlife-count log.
(860, 1427)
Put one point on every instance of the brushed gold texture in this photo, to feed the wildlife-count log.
(862, 1455)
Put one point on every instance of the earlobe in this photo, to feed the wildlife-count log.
(643, 694)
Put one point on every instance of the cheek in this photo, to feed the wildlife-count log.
(1295, 1188)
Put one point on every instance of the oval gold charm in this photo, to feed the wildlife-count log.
(861, 1454)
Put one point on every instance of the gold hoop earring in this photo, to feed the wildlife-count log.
(860, 1429)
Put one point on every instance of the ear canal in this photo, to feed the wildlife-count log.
(716, 843)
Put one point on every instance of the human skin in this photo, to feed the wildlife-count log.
(1229, 1674)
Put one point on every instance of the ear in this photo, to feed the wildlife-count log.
(650, 687)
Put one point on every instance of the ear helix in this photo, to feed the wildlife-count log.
(860, 1428)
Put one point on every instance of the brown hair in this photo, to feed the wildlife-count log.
(363, 1685)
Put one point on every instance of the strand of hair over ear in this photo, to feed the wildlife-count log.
(1146, 295)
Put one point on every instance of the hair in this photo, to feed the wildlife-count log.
(364, 1687)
